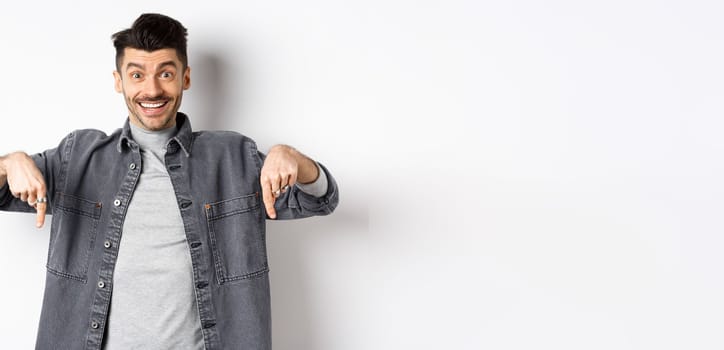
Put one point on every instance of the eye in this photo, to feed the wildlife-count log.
(166, 75)
(136, 75)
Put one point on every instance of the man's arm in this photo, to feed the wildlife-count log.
(25, 181)
(284, 167)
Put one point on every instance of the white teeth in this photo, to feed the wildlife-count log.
(152, 105)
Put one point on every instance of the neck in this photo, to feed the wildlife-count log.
(152, 140)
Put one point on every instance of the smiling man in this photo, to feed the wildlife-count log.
(152, 84)
(158, 232)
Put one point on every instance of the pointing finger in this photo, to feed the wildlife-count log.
(269, 199)
(40, 218)
(41, 207)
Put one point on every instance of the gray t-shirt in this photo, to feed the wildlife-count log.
(153, 305)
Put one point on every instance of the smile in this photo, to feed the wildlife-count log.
(153, 105)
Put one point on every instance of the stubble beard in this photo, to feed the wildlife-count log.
(168, 120)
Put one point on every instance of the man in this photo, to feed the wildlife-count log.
(157, 236)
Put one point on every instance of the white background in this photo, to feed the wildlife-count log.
(514, 174)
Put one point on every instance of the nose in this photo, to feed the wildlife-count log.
(152, 88)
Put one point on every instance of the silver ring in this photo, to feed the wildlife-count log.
(42, 200)
(276, 193)
(285, 188)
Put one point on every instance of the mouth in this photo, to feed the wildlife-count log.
(153, 107)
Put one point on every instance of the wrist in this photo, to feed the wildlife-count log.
(8, 159)
(308, 170)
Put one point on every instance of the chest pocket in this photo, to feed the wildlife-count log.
(237, 238)
(75, 223)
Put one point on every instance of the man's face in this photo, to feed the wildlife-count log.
(152, 84)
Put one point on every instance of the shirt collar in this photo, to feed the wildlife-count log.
(182, 137)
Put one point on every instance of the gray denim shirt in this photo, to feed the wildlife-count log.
(91, 177)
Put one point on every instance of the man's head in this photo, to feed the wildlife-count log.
(152, 70)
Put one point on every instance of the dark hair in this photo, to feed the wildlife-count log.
(151, 32)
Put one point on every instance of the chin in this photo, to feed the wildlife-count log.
(154, 123)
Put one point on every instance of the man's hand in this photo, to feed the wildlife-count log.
(283, 167)
(25, 182)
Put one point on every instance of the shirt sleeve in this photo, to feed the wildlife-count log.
(318, 188)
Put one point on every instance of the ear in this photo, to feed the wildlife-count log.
(118, 84)
(187, 78)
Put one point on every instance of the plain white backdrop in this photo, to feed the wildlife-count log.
(514, 174)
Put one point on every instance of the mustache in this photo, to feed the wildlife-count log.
(153, 98)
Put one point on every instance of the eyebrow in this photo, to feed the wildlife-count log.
(143, 67)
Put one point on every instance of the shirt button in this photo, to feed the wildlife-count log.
(132, 166)
(101, 284)
(107, 244)
(94, 325)
(117, 202)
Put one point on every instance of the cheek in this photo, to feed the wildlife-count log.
(129, 98)
(129, 92)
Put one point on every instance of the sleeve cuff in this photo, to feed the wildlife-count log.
(318, 188)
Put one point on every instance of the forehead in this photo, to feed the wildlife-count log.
(149, 59)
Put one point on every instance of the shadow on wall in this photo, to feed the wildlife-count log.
(208, 100)
(297, 314)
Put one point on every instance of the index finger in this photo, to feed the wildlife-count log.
(40, 217)
(41, 207)
(269, 199)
